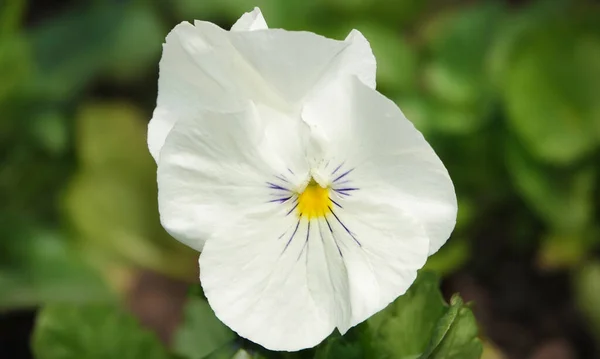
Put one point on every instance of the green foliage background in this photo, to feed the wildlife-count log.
(507, 94)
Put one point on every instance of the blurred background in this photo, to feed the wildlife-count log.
(507, 93)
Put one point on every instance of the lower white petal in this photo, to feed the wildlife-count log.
(265, 277)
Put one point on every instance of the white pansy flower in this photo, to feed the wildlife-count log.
(313, 200)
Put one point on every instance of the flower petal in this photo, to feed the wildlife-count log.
(359, 60)
(250, 21)
(215, 164)
(391, 160)
(265, 276)
(285, 282)
(382, 249)
(204, 66)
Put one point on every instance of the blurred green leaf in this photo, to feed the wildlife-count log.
(396, 60)
(15, 65)
(560, 250)
(50, 129)
(112, 201)
(242, 354)
(37, 267)
(455, 76)
(450, 257)
(550, 81)
(562, 198)
(137, 45)
(419, 324)
(201, 332)
(92, 332)
(455, 335)
(85, 41)
(587, 294)
(113, 134)
(11, 14)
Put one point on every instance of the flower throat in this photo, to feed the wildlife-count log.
(314, 201)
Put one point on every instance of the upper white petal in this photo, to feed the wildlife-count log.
(250, 21)
(391, 159)
(204, 66)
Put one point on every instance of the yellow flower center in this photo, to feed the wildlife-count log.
(314, 201)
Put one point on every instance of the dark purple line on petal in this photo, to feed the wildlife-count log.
(337, 168)
(292, 172)
(291, 210)
(280, 200)
(291, 237)
(282, 178)
(329, 225)
(346, 228)
(274, 186)
(305, 241)
(334, 202)
(346, 189)
(332, 236)
(343, 175)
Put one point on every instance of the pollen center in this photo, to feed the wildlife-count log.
(314, 201)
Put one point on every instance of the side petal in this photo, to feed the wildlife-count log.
(266, 277)
(390, 159)
(250, 21)
(214, 165)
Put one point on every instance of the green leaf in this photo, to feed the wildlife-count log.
(420, 325)
(587, 294)
(15, 65)
(112, 200)
(92, 332)
(144, 29)
(550, 85)
(37, 267)
(563, 198)
(73, 48)
(459, 42)
(396, 60)
(201, 333)
(450, 257)
(455, 336)
(403, 329)
(337, 346)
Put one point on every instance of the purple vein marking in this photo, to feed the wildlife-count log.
(291, 210)
(343, 175)
(291, 237)
(282, 178)
(334, 202)
(305, 242)
(274, 186)
(292, 172)
(346, 228)
(337, 168)
(280, 200)
(346, 189)
(333, 236)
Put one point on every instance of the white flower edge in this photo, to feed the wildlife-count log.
(204, 67)
(280, 281)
